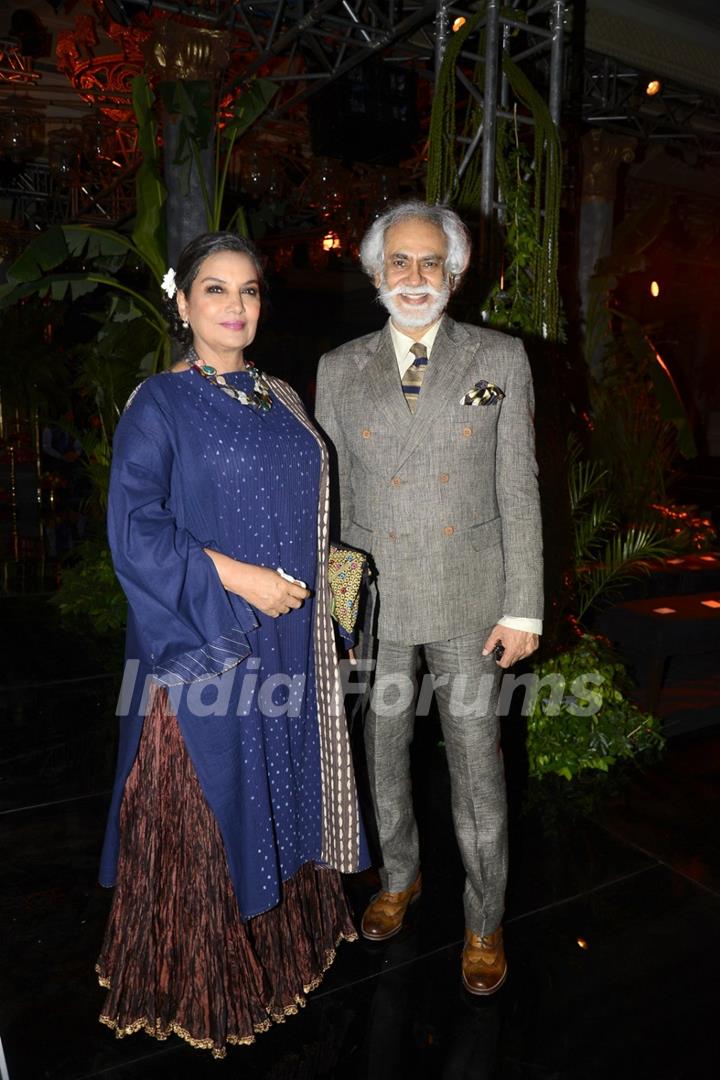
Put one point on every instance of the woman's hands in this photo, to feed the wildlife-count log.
(263, 588)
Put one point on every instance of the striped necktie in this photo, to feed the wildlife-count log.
(413, 377)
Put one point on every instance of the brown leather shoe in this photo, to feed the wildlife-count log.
(484, 967)
(385, 913)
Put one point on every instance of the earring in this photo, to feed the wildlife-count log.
(185, 324)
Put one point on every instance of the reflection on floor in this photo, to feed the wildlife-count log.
(613, 910)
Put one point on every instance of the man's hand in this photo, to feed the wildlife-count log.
(517, 643)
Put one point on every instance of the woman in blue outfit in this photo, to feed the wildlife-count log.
(234, 807)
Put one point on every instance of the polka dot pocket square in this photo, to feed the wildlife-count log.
(483, 393)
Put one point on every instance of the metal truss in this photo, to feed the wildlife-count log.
(35, 197)
(39, 199)
(323, 41)
(533, 36)
(15, 69)
(614, 97)
(306, 45)
(320, 40)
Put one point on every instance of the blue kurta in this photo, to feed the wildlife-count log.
(193, 468)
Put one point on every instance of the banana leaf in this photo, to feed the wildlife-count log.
(191, 102)
(249, 106)
(30, 272)
(149, 229)
(44, 253)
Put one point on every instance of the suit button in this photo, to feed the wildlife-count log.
(392, 534)
(467, 431)
(443, 478)
(396, 481)
(366, 433)
(449, 530)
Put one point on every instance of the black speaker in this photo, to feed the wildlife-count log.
(369, 114)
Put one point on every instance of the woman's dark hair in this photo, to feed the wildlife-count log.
(191, 259)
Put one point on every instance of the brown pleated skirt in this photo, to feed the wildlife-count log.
(177, 958)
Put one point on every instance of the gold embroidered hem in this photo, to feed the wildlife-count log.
(161, 1035)
(177, 956)
(157, 1031)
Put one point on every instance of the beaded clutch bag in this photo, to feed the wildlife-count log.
(345, 573)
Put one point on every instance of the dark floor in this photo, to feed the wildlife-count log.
(612, 930)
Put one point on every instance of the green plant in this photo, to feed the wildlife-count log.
(606, 553)
(529, 180)
(191, 103)
(91, 596)
(586, 721)
(55, 264)
(132, 340)
(582, 719)
(122, 264)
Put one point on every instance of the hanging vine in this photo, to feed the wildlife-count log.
(526, 298)
(442, 170)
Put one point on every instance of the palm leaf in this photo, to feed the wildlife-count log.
(626, 556)
(584, 478)
(591, 528)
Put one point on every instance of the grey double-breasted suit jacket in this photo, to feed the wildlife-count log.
(445, 500)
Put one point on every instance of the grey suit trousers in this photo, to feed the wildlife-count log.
(466, 687)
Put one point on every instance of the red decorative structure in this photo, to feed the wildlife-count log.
(104, 80)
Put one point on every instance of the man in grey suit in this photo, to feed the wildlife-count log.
(431, 421)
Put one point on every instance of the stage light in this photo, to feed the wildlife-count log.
(654, 289)
(459, 23)
(582, 943)
(331, 241)
(653, 87)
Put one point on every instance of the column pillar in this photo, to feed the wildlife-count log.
(602, 153)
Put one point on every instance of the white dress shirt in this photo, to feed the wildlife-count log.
(402, 345)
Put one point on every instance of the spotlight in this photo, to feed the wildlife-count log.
(653, 87)
(459, 23)
(655, 289)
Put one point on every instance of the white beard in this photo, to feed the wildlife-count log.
(429, 313)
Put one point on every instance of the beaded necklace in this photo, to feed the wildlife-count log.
(257, 398)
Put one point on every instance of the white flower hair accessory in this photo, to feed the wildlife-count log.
(168, 285)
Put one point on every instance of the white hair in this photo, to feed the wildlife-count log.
(372, 248)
